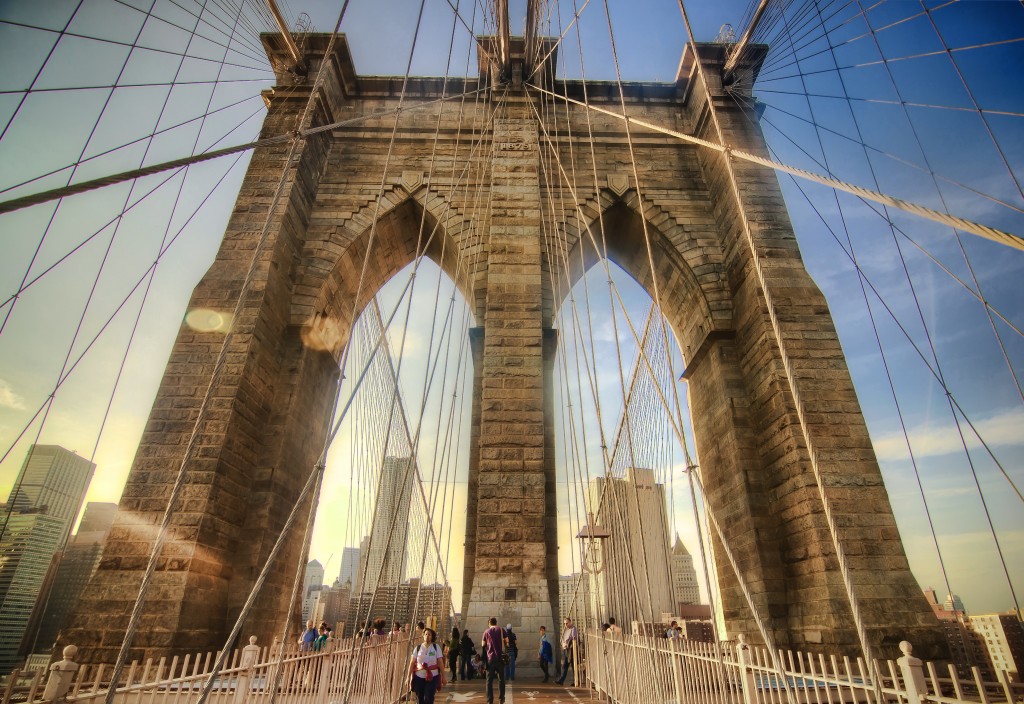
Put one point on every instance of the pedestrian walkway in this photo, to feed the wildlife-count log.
(518, 692)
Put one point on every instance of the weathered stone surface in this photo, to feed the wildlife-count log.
(498, 217)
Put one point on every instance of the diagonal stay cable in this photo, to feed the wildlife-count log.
(994, 234)
(286, 138)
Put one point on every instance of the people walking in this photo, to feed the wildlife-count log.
(546, 653)
(569, 642)
(427, 668)
(454, 649)
(492, 644)
(512, 650)
(466, 668)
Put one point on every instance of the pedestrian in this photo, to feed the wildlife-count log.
(321, 639)
(454, 648)
(468, 655)
(569, 640)
(613, 628)
(546, 652)
(492, 646)
(308, 637)
(427, 668)
(673, 632)
(512, 652)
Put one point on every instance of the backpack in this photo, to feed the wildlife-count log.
(511, 641)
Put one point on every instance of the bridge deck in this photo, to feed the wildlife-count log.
(522, 691)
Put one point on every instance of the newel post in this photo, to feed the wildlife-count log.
(246, 666)
(913, 674)
(61, 675)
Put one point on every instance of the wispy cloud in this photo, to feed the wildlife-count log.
(8, 398)
(932, 440)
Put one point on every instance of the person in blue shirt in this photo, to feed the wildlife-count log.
(547, 653)
(308, 637)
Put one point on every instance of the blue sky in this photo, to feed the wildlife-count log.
(50, 128)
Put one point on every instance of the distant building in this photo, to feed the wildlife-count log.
(966, 648)
(703, 631)
(349, 567)
(385, 556)
(954, 603)
(312, 583)
(684, 575)
(574, 598)
(26, 553)
(75, 567)
(40, 513)
(53, 481)
(364, 549)
(406, 603)
(1004, 640)
(332, 604)
(633, 510)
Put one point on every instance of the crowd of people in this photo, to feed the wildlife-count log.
(494, 660)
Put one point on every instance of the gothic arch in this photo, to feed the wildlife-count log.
(690, 273)
(404, 222)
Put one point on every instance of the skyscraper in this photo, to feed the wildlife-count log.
(684, 576)
(76, 565)
(52, 480)
(312, 583)
(349, 567)
(633, 510)
(41, 510)
(385, 560)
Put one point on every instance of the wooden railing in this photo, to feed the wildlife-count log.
(624, 669)
(641, 670)
(367, 671)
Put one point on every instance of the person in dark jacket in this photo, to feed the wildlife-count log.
(452, 650)
(468, 651)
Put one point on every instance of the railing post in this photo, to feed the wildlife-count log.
(913, 674)
(250, 656)
(747, 680)
(11, 681)
(324, 686)
(61, 675)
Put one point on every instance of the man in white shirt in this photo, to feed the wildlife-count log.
(569, 639)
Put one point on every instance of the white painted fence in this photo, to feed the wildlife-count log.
(621, 669)
(644, 670)
(370, 671)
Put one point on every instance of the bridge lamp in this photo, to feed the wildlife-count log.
(591, 536)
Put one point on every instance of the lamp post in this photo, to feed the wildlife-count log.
(591, 536)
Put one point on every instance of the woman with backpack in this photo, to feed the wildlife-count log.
(427, 668)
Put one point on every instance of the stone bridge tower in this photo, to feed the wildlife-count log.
(269, 416)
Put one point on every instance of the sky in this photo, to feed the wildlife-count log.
(916, 278)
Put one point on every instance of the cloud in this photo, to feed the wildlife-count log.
(9, 399)
(932, 440)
